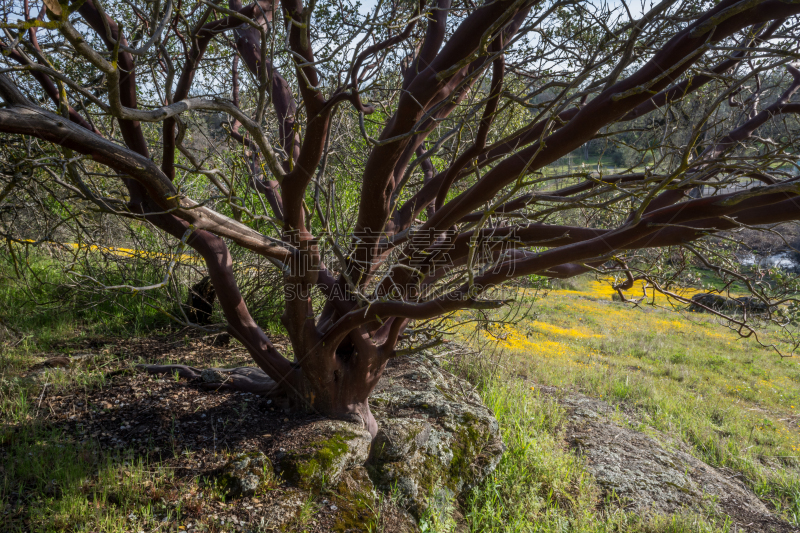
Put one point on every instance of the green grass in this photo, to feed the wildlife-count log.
(53, 482)
(41, 317)
(541, 486)
(50, 481)
(39, 302)
(735, 403)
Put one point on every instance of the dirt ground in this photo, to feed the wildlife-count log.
(182, 427)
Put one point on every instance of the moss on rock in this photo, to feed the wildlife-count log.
(357, 500)
(320, 462)
(432, 441)
(435, 440)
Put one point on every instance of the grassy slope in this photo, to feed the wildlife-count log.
(736, 403)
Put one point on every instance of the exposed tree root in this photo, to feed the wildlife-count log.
(243, 379)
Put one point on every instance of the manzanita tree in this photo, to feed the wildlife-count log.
(394, 162)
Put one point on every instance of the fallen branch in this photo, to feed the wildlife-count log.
(243, 379)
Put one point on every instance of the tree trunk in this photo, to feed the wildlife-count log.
(337, 382)
(345, 394)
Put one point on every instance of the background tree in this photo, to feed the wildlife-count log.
(394, 164)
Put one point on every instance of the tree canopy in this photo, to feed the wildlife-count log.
(397, 162)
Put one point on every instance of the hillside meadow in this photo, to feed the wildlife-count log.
(735, 403)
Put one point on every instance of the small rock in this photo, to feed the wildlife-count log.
(223, 339)
(708, 300)
(52, 489)
(244, 473)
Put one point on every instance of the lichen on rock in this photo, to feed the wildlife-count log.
(656, 474)
(435, 440)
(435, 437)
(244, 474)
